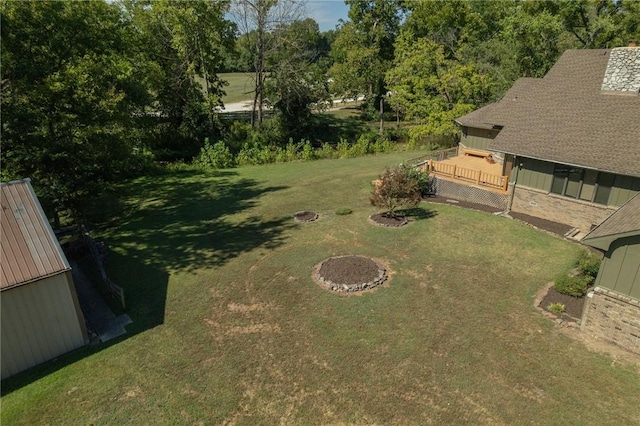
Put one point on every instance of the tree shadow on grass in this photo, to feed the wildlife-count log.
(327, 128)
(185, 223)
(418, 213)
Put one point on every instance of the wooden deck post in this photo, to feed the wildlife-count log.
(478, 179)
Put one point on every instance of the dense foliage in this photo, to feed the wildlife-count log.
(93, 92)
(397, 187)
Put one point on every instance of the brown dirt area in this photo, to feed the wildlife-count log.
(384, 219)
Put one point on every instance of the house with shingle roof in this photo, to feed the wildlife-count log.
(570, 141)
(612, 311)
(41, 315)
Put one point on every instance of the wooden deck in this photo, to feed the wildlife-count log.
(470, 170)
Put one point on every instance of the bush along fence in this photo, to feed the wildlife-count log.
(219, 156)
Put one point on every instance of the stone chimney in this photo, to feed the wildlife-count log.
(623, 71)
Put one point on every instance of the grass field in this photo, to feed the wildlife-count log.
(230, 328)
(240, 86)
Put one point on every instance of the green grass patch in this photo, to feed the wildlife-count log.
(230, 327)
(240, 87)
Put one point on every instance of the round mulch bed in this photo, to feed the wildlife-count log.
(383, 219)
(350, 273)
(305, 216)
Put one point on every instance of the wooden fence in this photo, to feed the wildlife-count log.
(99, 253)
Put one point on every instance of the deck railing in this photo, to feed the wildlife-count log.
(456, 172)
(439, 155)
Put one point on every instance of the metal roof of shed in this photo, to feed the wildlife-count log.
(29, 249)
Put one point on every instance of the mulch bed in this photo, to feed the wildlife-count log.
(549, 226)
(350, 273)
(572, 305)
(305, 216)
(383, 219)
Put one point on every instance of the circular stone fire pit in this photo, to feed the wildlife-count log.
(349, 273)
(305, 216)
(383, 219)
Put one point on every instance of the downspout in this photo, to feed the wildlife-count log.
(515, 182)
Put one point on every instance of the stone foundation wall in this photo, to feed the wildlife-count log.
(472, 194)
(576, 213)
(612, 317)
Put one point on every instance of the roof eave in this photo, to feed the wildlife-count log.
(604, 242)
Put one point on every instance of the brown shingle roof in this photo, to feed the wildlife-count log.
(28, 248)
(624, 221)
(566, 118)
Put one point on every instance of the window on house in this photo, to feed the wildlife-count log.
(588, 185)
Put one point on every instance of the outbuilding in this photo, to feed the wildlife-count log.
(41, 318)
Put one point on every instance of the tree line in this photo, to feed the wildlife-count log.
(95, 92)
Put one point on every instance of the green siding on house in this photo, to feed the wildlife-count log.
(620, 269)
(477, 138)
(624, 188)
(534, 173)
(538, 174)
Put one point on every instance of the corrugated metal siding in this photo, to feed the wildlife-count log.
(620, 269)
(39, 322)
(29, 249)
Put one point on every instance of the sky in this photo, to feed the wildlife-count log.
(327, 12)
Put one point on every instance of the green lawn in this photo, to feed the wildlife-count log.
(230, 328)
(240, 86)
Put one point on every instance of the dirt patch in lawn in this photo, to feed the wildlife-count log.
(569, 325)
(305, 216)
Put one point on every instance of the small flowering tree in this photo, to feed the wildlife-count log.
(397, 187)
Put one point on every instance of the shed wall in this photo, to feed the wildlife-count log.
(40, 321)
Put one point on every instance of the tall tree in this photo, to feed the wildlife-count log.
(298, 75)
(432, 89)
(185, 44)
(70, 90)
(257, 19)
(363, 49)
(536, 34)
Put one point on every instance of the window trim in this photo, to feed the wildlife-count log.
(565, 183)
